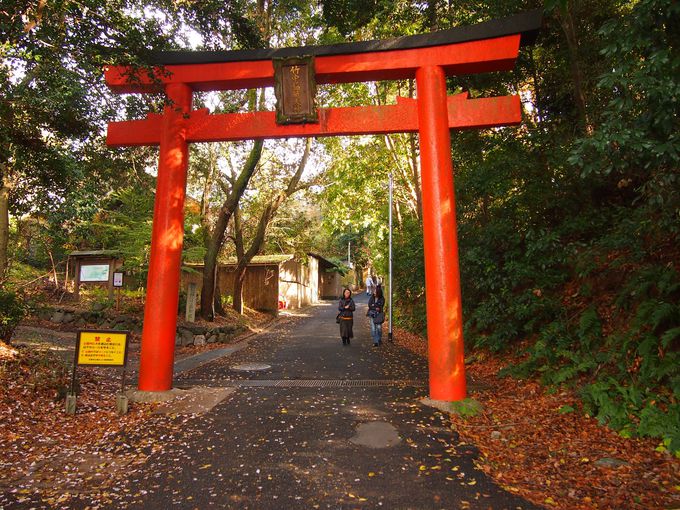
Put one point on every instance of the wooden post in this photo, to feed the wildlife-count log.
(190, 313)
(111, 269)
(76, 287)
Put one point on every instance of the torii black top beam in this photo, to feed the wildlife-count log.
(527, 24)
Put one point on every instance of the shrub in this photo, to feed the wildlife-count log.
(12, 311)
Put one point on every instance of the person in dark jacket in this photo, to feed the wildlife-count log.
(346, 308)
(376, 306)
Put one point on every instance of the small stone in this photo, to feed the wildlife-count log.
(45, 313)
(495, 435)
(199, 340)
(57, 317)
(609, 462)
(196, 329)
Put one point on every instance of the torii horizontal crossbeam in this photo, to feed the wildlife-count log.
(498, 54)
(489, 46)
(463, 113)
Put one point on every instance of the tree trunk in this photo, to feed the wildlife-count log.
(415, 163)
(254, 249)
(359, 275)
(219, 308)
(239, 278)
(4, 225)
(567, 23)
(215, 242)
(239, 275)
(432, 18)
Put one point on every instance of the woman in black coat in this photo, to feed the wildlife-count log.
(376, 315)
(346, 308)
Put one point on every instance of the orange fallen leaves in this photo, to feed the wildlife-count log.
(549, 457)
(33, 424)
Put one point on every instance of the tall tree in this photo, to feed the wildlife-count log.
(54, 99)
(253, 24)
(271, 206)
(217, 235)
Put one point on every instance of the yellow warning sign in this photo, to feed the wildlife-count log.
(102, 348)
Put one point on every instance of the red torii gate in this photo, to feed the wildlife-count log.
(491, 46)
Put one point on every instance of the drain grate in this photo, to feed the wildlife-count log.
(299, 383)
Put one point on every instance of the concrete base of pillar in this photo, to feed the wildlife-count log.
(466, 407)
(153, 396)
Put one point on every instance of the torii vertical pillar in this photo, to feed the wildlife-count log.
(160, 320)
(442, 275)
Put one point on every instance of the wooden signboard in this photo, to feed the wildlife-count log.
(295, 89)
(104, 348)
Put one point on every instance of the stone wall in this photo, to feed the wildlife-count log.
(187, 333)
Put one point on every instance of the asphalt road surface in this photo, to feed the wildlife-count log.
(299, 421)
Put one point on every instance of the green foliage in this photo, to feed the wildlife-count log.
(466, 408)
(409, 277)
(52, 73)
(629, 379)
(510, 285)
(123, 223)
(12, 311)
(636, 141)
(20, 273)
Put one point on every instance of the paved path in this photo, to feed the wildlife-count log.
(326, 426)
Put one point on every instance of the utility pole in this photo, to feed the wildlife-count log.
(389, 331)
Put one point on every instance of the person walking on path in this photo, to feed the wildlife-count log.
(376, 314)
(346, 308)
(370, 285)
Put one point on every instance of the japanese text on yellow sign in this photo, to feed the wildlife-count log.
(101, 348)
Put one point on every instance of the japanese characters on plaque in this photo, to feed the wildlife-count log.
(295, 89)
(102, 348)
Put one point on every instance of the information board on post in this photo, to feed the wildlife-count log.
(94, 273)
(102, 348)
(105, 348)
(118, 279)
